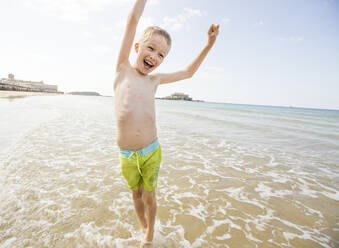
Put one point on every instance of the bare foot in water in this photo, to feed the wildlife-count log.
(146, 244)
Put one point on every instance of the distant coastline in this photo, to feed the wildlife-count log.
(21, 94)
(84, 93)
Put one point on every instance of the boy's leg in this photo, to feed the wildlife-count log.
(150, 204)
(150, 169)
(140, 207)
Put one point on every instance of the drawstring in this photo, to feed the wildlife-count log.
(133, 154)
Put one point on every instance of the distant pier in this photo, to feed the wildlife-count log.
(179, 96)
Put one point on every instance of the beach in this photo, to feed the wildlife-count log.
(232, 175)
(18, 94)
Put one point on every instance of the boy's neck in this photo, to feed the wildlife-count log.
(135, 67)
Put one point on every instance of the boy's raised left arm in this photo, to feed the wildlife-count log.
(188, 72)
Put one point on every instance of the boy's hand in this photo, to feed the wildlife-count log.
(213, 32)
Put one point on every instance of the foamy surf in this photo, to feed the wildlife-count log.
(220, 184)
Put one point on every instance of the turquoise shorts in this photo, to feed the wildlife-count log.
(141, 167)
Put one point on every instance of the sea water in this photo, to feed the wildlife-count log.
(232, 175)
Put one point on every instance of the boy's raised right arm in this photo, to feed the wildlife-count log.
(127, 41)
(164, 78)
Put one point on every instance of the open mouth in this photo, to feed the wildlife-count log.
(148, 65)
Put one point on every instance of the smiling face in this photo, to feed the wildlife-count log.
(151, 53)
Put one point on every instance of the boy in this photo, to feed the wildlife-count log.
(135, 88)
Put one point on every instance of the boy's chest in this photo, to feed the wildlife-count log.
(134, 102)
(132, 87)
(131, 91)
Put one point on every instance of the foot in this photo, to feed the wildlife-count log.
(148, 239)
(146, 244)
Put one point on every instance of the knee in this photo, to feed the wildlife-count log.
(149, 198)
(137, 195)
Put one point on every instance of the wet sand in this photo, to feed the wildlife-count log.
(231, 176)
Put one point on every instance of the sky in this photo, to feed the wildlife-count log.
(268, 52)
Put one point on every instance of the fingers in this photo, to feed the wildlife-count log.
(210, 30)
(213, 30)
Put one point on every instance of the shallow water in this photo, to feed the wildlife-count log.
(232, 175)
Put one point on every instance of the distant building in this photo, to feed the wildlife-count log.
(11, 83)
(178, 96)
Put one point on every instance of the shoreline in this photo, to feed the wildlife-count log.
(19, 94)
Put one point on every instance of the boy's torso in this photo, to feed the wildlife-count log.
(134, 109)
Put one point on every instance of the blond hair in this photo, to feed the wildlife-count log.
(155, 30)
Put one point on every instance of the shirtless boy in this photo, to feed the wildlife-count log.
(135, 88)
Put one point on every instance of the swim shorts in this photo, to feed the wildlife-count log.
(141, 167)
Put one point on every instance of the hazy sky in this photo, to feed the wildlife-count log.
(271, 52)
